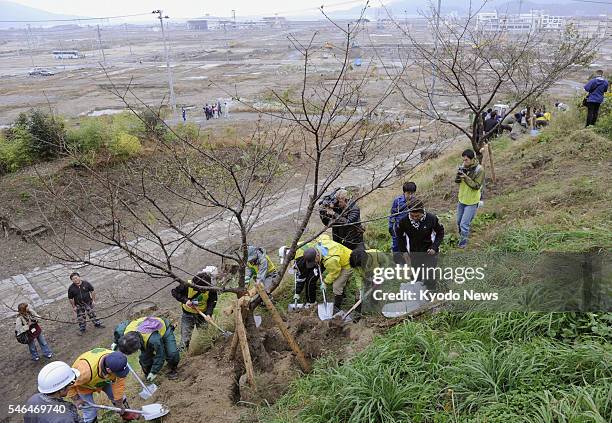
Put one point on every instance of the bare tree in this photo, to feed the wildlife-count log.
(144, 217)
(477, 66)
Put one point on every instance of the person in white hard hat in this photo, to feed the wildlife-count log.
(48, 405)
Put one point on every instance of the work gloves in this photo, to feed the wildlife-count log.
(151, 377)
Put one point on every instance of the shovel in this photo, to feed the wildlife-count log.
(224, 332)
(325, 310)
(295, 306)
(149, 412)
(343, 316)
(147, 391)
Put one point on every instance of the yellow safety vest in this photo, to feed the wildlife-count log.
(93, 358)
(133, 327)
(200, 297)
(255, 268)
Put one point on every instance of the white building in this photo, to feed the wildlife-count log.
(533, 21)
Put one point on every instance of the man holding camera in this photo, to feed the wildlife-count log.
(344, 217)
(470, 177)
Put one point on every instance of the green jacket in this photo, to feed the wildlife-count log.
(154, 350)
(470, 186)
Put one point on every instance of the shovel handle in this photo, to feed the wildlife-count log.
(356, 304)
(210, 320)
(139, 380)
(108, 407)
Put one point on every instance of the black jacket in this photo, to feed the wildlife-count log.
(420, 239)
(180, 293)
(346, 228)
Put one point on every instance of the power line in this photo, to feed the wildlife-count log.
(593, 1)
(80, 19)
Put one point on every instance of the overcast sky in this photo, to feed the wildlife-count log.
(186, 8)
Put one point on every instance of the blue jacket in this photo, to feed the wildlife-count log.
(596, 88)
(398, 212)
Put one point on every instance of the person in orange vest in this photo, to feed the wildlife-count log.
(100, 370)
(193, 301)
(154, 337)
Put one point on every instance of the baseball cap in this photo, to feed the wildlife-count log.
(117, 363)
(310, 256)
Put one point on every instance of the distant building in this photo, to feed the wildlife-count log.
(198, 24)
(275, 21)
(66, 54)
(595, 27)
(534, 21)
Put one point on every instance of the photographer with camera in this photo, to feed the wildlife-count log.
(470, 177)
(344, 218)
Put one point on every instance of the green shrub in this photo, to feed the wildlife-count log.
(47, 133)
(127, 122)
(90, 136)
(153, 124)
(15, 153)
(124, 145)
(189, 132)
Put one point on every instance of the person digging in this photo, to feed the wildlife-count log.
(335, 257)
(154, 337)
(193, 302)
(100, 370)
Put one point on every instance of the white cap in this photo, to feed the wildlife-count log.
(211, 270)
(55, 376)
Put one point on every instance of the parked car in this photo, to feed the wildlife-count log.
(41, 72)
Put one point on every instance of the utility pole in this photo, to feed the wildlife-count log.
(100, 45)
(433, 65)
(234, 17)
(127, 38)
(30, 45)
(161, 18)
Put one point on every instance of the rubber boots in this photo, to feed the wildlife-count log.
(172, 374)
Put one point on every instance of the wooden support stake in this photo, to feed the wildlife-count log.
(491, 162)
(283, 328)
(244, 346)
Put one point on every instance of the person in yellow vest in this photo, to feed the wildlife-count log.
(99, 370)
(193, 301)
(335, 257)
(470, 177)
(154, 337)
(260, 268)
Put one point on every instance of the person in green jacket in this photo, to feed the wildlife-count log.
(154, 337)
(470, 177)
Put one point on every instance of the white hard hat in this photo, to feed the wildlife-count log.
(55, 376)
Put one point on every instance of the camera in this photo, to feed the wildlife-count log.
(460, 171)
(328, 201)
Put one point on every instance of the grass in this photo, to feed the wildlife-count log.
(552, 195)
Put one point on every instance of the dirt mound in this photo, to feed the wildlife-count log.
(203, 392)
(316, 338)
(210, 388)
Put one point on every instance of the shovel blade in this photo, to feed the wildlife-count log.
(325, 311)
(154, 411)
(148, 392)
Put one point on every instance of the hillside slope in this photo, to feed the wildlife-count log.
(551, 194)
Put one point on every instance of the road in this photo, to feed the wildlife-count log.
(48, 285)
